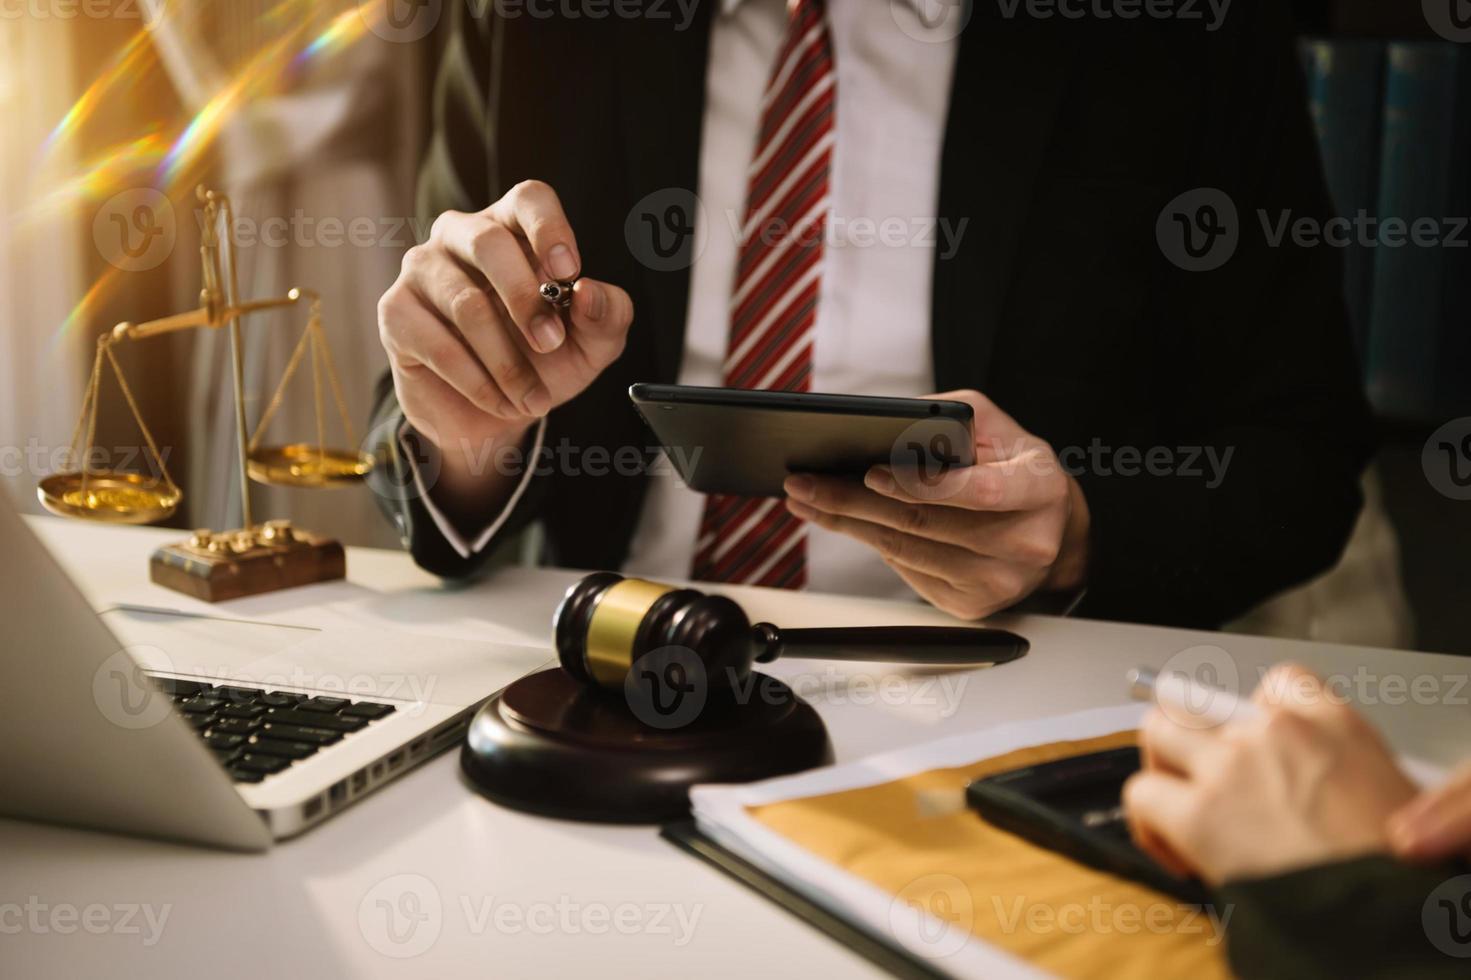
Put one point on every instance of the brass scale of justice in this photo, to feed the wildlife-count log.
(257, 557)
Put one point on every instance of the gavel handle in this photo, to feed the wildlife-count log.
(937, 645)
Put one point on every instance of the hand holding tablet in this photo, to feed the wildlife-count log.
(971, 510)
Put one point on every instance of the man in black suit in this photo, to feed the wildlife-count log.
(1096, 338)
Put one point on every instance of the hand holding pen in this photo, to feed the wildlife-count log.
(1292, 778)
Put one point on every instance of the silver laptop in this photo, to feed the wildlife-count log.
(204, 729)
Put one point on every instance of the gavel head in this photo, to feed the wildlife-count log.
(606, 622)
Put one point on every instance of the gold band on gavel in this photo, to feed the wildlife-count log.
(613, 626)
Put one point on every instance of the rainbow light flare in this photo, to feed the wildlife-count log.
(271, 70)
(104, 175)
(258, 74)
(82, 312)
(131, 62)
(345, 29)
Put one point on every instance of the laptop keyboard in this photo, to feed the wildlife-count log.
(257, 733)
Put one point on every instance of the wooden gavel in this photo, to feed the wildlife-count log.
(606, 622)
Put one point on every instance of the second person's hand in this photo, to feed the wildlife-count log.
(1305, 781)
(1436, 824)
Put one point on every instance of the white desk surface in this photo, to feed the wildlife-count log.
(525, 896)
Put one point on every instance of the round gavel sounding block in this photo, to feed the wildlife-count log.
(601, 740)
(606, 622)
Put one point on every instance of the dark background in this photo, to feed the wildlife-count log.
(1434, 531)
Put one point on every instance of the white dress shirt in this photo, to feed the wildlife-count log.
(872, 334)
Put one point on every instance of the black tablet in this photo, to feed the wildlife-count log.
(735, 441)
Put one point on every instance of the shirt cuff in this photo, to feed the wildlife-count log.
(472, 546)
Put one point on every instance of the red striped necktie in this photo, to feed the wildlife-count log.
(774, 306)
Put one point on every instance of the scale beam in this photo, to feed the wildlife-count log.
(203, 317)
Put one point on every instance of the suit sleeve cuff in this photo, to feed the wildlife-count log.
(1360, 917)
(468, 545)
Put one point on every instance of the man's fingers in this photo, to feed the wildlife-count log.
(932, 557)
(494, 250)
(478, 316)
(600, 315)
(1154, 845)
(1012, 471)
(944, 561)
(1158, 808)
(946, 597)
(1294, 688)
(1437, 823)
(1025, 538)
(991, 423)
(533, 210)
(1025, 481)
(849, 498)
(415, 337)
(429, 402)
(1176, 748)
(941, 594)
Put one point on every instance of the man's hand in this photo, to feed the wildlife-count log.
(978, 538)
(1435, 825)
(477, 355)
(1306, 781)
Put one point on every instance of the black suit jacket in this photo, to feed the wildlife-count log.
(1064, 141)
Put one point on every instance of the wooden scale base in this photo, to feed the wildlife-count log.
(553, 746)
(219, 565)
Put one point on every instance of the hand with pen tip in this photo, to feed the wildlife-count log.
(478, 352)
(1302, 780)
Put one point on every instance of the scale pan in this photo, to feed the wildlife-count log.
(301, 465)
(109, 497)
